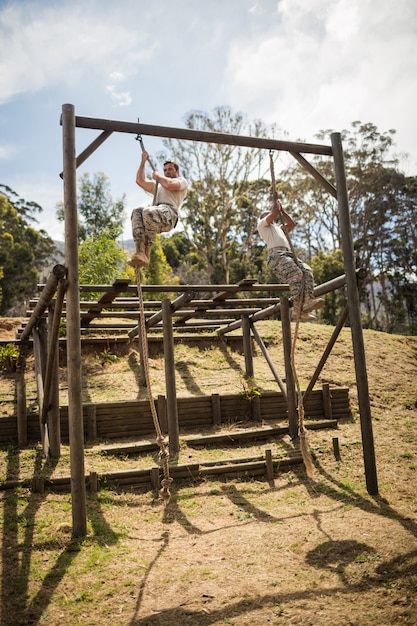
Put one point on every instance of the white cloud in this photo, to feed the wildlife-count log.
(117, 76)
(64, 45)
(6, 152)
(325, 63)
(120, 98)
(304, 66)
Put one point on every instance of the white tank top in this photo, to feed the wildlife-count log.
(272, 234)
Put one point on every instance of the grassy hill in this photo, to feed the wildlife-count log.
(298, 551)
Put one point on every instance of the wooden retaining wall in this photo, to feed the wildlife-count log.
(140, 480)
(133, 419)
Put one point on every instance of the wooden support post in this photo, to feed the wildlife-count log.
(355, 318)
(171, 392)
(268, 360)
(162, 413)
(322, 362)
(75, 407)
(93, 482)
(216, 409)
(22, 428)
(46, 296)
(289, 374)
(90, 149)
(43, 343)
(155, 479)
(269, 467)
(336, 449)
(256, 408)
(327, 403)
(247, 347)
(92, 422)
(37, 353)
(50, 405)
(38, 484)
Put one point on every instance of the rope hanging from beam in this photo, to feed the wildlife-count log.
(302, 433)
(163, 448)
(142, 146)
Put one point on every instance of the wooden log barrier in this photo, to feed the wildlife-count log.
(57, 273)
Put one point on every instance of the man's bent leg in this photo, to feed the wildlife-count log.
(139, 258)
(310, 303)
(156, 220)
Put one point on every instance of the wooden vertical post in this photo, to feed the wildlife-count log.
(247, 346)
(336, 449)
(75, 407)
(155, 479)
(216, 409)
(22, 428)
(53, 420)
(162, 412)
(268, 360)
(328, 349)
(327, 401)
(171, 392)
(289, 374)
(355, 318)
(269, 467)
(92, 422)
(50, 408)
(256, 412)
(43, 344)
(39, 369)
(93, 483)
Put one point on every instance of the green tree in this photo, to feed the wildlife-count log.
(227, 191)
(23, 251)
(382, 204)
(326, 267)
(187, 264)
(159, 271)
(97, 210)
(176, 248)
(101, 260)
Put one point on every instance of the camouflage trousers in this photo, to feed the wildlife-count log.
(147, 222)
(288, 271)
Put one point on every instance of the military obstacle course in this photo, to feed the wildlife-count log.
(69, 285)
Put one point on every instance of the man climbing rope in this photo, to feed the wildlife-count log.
(169, 191)
(282, 261)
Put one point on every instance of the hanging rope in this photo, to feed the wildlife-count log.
(142, 146)
(302, 433)
(163, 448)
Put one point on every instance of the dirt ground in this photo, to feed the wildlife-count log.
(303, 551)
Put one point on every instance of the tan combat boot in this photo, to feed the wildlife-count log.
(311, 303)
(140, 258)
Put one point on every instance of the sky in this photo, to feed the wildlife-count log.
(302, 65)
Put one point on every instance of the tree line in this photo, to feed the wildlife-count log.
(217, 241)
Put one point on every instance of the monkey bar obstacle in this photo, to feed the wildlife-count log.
(69, 123)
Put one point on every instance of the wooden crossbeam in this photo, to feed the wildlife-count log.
(95, 310)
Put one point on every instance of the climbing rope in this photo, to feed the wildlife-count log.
(302, 433)
(142, 146)
(163, 448)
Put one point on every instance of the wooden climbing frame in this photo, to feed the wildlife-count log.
(70, 122)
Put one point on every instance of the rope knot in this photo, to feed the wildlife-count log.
(165, 490)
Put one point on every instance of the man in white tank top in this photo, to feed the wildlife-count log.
(283, 262)
(162, 216)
